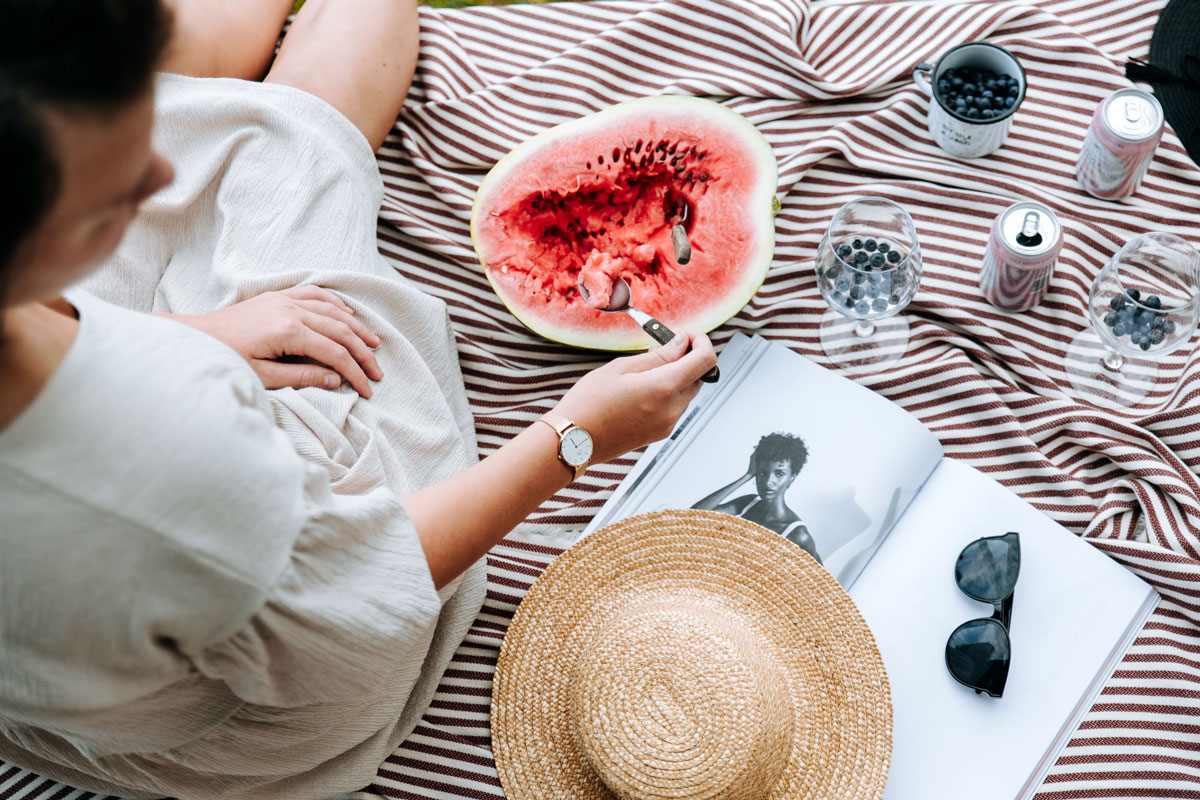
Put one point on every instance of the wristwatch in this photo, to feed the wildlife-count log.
(574, 443)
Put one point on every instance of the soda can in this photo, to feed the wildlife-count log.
(1120, 144)
(1021, 252)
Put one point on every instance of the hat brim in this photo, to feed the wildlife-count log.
(842, 703)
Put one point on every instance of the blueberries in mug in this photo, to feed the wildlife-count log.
(894, 257)
(844, 251)
(857, 244)
(861, 257)
(884, 247)
(862, 307)
(1117, 303)
(869, 245)
(877, 260)
(967, 88)
(880, 304)
(1133, 294)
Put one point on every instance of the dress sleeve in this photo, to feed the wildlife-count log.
(354, 610)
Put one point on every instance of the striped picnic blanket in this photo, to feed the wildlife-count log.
(828, 84)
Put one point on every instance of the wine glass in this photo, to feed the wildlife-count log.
(1144, 304)
(868, 268)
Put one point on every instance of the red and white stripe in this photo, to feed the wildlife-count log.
(828, 85)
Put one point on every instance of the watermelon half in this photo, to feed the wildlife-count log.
(604, 193)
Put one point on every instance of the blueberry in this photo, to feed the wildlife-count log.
(987, 113)
(884, 247)
(885, 284)
(956, 82)
(1109, 319)
(861, 257)
(1135, 337)
(1009, 102)
(1168, 327)
(987, 94)
(1117, 303)
(877, 260)
(862, 307)
(880, 304)
(857, 292)
(844, 251)
(1153, 301)
(971, 101)
(837, 297)
(943, 87)
(973, 113)
(1134, 294)
(859, 278)
(970, 88)
(1013, 90)
(894, 299)
(1156, 337)
(1120, 329)
(856, 244)
(894, 257)
(1145, 316)
(1144, 345)
(873, 291)
(843, 284)
(849, 303)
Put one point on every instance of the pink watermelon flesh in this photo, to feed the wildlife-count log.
(611, 215)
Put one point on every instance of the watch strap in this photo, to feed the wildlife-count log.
(560, 425)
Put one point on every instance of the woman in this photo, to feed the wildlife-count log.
(776, 461)
(220, 577)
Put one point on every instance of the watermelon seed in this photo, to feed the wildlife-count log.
(589, 165)
(599, 159)
(679, 241)
(637, 148)
(616, 154)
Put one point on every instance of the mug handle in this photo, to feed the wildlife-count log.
(924, 82)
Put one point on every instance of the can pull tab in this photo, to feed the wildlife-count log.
(1029, 236)
(1133, 111)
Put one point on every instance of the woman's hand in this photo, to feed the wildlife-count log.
(306, 322)
(635, 400)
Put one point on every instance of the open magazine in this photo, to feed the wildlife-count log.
(862, 486)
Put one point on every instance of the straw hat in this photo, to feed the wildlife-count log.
(689, 654)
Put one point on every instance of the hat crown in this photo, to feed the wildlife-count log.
(677, 698)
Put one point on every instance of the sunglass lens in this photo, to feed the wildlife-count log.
(987, 568)
(977, 655)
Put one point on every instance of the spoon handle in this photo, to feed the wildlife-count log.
(662, 334)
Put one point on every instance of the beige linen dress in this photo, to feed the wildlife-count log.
(209, 590)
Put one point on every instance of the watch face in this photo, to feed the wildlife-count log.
(576, 446)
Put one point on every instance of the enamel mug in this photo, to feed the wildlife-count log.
(955, 133)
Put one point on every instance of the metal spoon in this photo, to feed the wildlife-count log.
(619, 303)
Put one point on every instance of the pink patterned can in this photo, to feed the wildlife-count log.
(1020, 256)
(1120, 144)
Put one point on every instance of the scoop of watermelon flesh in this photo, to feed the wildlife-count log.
(609, 227)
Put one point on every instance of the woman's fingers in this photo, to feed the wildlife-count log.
(311, 342)
(312, 292)
(278, 375)
(347, 337)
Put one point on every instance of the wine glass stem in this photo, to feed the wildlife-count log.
(864, 328)
(1113, 360)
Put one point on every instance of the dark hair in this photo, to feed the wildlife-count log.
(86, 57)
(782, 447)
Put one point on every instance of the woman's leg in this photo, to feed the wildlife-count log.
(356, 55)
(225, 38)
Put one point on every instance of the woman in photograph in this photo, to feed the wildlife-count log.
(776, 461)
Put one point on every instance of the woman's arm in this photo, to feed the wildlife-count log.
(625, 404)
(713, 502)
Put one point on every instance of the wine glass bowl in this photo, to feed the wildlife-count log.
(868, 270)
(1143, 304)
(1146, 300)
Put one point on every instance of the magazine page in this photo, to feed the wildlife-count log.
(792, 446)
(1074, 613)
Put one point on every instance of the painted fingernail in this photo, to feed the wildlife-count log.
(331, 381)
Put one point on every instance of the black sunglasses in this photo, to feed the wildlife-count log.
(978, 652)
